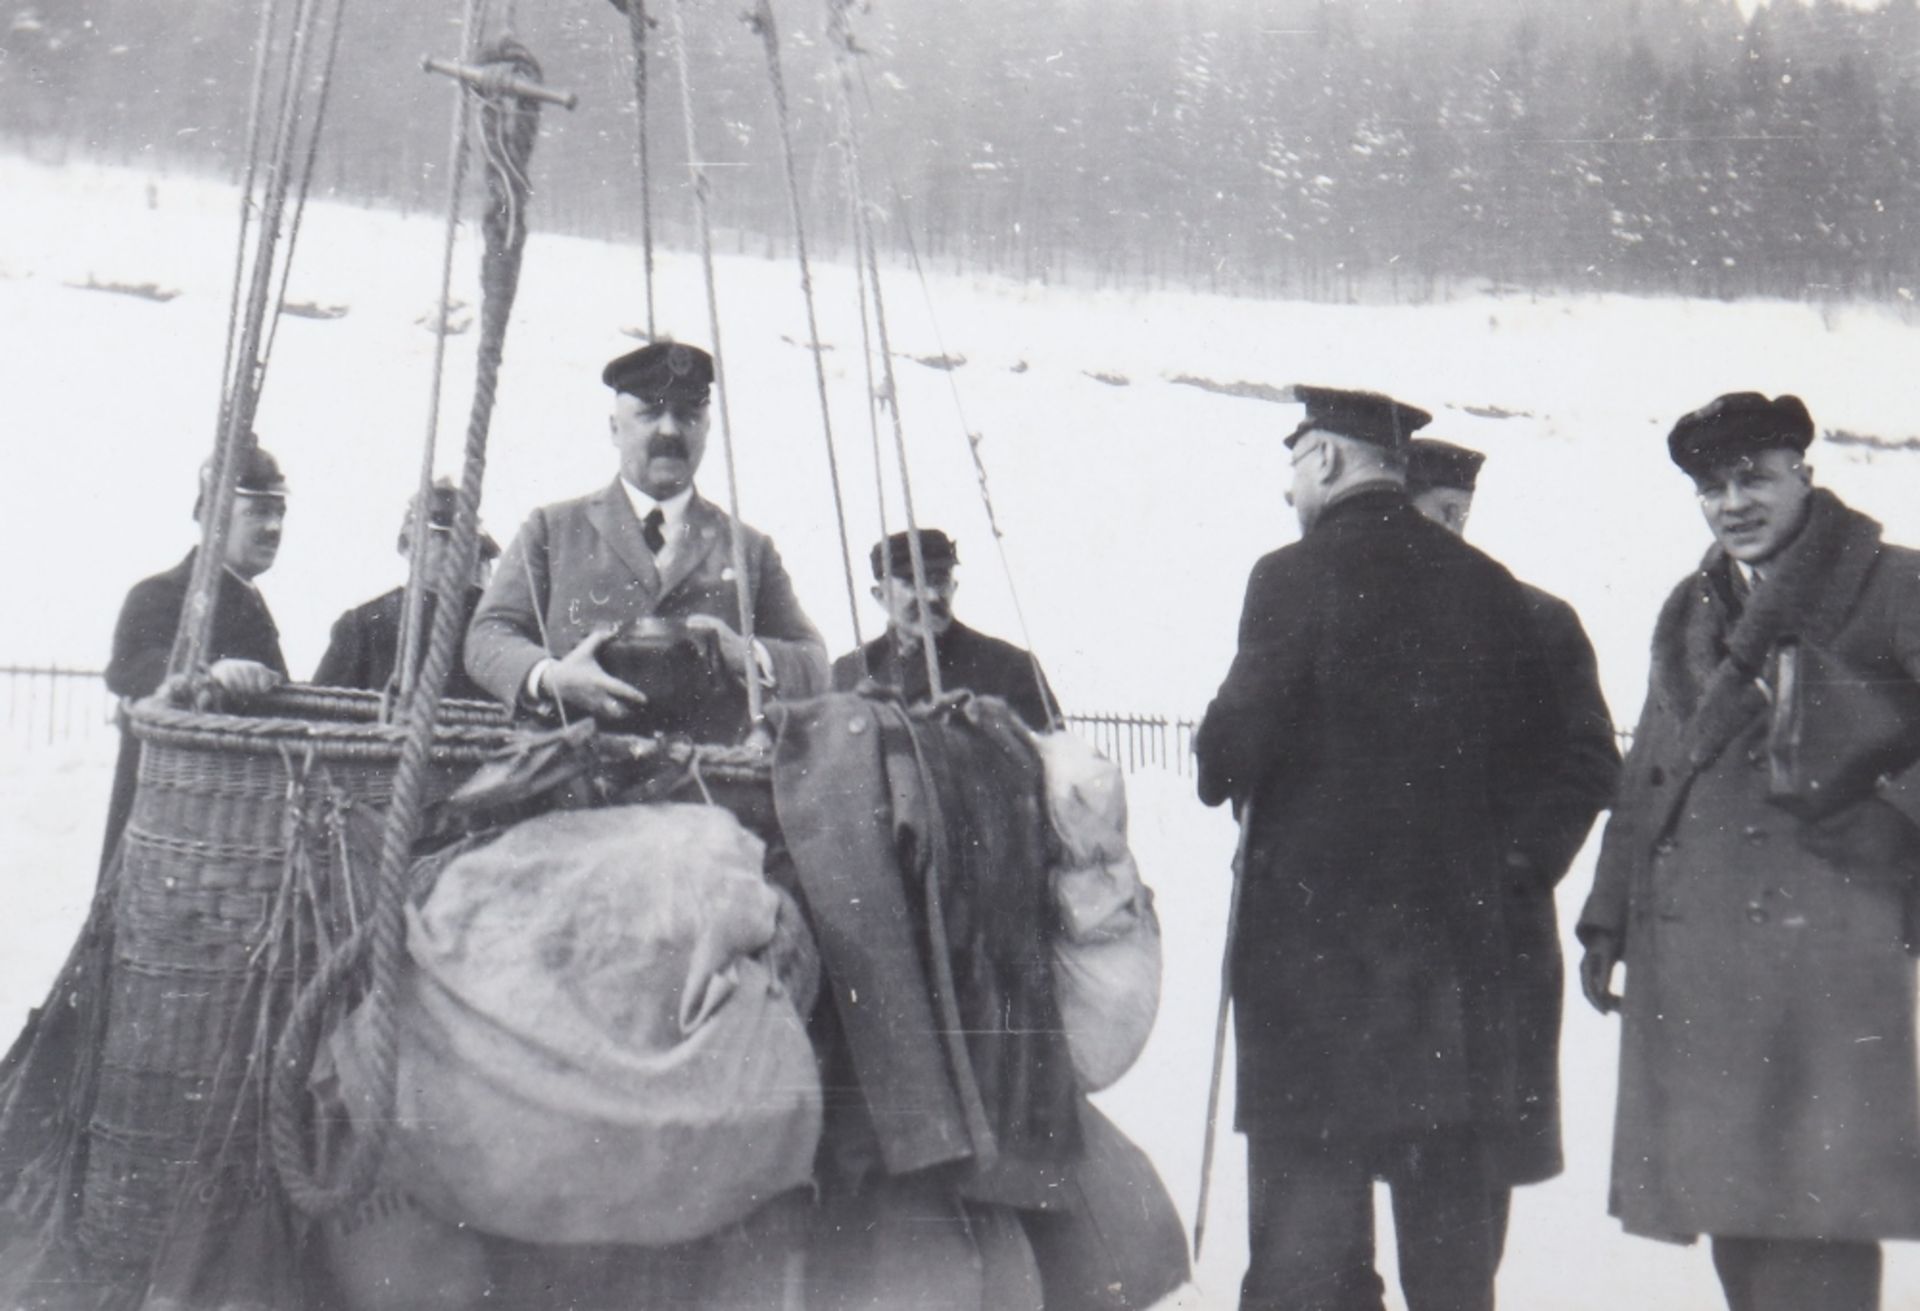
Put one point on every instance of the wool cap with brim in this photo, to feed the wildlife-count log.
(662, 371)
(937, 551)
(1737, 424)
(1432, 463)
(1365, 416)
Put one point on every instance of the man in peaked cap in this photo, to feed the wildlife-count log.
(645, 545)
(1543, 837)
(1386, 711)
(243, 651)
(966, 658)
(1757, 877)
(364, 648)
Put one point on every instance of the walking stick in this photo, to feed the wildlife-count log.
(1220, 1026)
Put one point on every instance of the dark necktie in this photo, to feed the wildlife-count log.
(650, 529)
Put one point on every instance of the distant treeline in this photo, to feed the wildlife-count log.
(1323, 148)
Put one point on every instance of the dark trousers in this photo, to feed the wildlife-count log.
(1797, 1274)
(1310, 1223)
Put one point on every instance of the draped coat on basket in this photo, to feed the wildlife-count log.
(1387, 713)
(1767, 1082)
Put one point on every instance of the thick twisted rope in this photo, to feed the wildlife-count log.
(761, 20)
(743, 587)
(508, 126)
(840, 37)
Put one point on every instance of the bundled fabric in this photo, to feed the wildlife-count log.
(600, 1041)
(1106, 955)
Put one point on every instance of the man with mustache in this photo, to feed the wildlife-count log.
(1757, 879)
(967, 659)
(243, 651)
(646, 545)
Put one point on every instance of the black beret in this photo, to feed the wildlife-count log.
(1433, 463)
(662, 371)
(1738, 423)
(937, 551)
(1364, 416)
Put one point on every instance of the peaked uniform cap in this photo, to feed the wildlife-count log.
(1366, 416)
(662, 371)
(443, 502)
(1736, 424)
(1432, 463)
(937, 551)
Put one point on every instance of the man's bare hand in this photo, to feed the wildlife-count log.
(1596, 973)
(734, 650)
(577, 680)
(243, 678)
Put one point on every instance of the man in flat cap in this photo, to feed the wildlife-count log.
(966, 658)
(1583, 770)
(243, 651)
(364, 648)
(1757, 878)
(646, 545)
(1385, 717)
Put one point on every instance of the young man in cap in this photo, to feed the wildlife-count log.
(1385, 714)
(243, 652)
(364, 647)
(966, 658)
(1757, 876)
(646, 545)
(1543, 839)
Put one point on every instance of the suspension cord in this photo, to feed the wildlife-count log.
(306, 182)
(236, 430)
(637, 25)
(761, 20)
(975, 440)
(256, 107)
(509, 124)
(743, 587)
(840, 36)
(413, 611)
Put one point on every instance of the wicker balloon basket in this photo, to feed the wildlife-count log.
(250, 854)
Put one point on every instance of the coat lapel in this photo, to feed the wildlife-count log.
(611, 515)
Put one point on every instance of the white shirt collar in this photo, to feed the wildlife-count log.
(673, 510)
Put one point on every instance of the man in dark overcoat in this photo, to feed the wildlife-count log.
(364, 647)
(966, 658)
(645, 545)
(243, 651)
(1386, 714)
(1757, 877)
(1584, 769)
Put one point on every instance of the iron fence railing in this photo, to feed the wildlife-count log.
(48, 704)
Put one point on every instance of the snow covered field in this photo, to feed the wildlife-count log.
(1132, 506)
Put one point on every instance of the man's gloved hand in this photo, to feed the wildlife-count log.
(1866, 834)
(577, 680)
(1596, 972)
(243, 678)
(735, 652)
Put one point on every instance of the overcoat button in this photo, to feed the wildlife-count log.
(1664, 847)
(1754, 834)
(1757, 914)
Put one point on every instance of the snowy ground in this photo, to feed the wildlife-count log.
(1131, 515)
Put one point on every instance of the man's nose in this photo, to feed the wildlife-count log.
(668, 424)
(1736, 496)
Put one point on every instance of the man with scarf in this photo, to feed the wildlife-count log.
(1756, 878)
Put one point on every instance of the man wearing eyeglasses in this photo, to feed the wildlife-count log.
(1387, 711)
(645, 545)
(1756, 878)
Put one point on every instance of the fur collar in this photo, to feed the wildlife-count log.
(1706, 661)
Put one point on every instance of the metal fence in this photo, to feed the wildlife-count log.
(50, 704)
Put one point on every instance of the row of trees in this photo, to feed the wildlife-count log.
(1302, 147)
